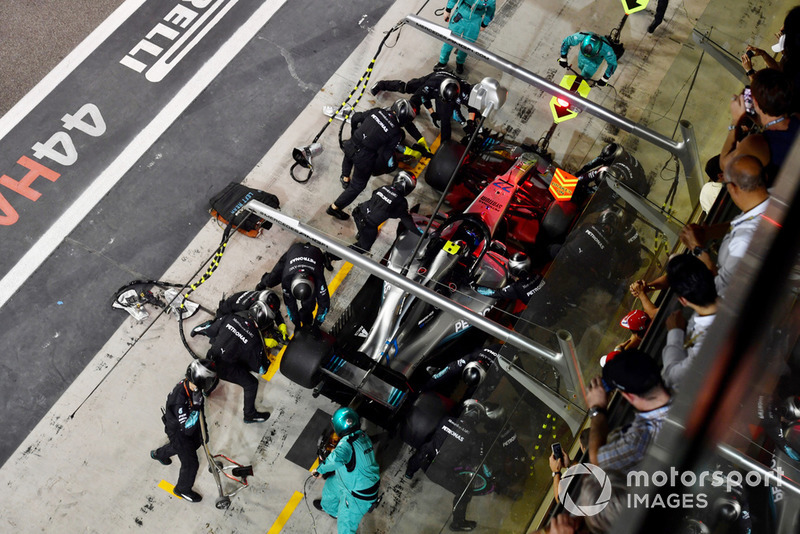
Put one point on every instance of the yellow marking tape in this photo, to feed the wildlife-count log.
(166, 486)
(279, 523)
(314, 466)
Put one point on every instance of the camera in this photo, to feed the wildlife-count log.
(750, 53)
(747, 95)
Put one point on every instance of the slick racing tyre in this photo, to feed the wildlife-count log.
(443, 163)
(422, 419)
(301, 360)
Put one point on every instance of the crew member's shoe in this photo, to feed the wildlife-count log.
(163, 462)
(191, 495)
(459, 68)
(339, 214)
(439, 66)
(653, 26)
(199, 329)
(463, 526)
(318, 505)
(258, 417)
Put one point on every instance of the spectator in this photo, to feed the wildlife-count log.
(711, 190)
(746, 185)
(691, 280)
(561, 524)
(772, 106)
(636, 375)
(445, 90)
(605, 521)
(637, 321)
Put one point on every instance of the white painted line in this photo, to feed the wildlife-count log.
(131, 153)
(28, 102)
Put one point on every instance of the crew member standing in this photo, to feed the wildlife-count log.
(353, 488)
(387, 202)
(300, 271)
(182, 425)
(470, 17)
(377, 134)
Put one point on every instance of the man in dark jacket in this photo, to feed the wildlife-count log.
(377, 134)
(266, 308)
(387, 202)
(182, 425)
(300, 271)
(237, 349)
(445, 90)
(472, 369)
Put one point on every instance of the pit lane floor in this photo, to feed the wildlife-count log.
(84, 466)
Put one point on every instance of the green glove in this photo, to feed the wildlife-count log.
(282, 330)
(270, 343)
(424, 143)
(410, 152)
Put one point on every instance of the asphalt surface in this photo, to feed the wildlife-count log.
(62, 313)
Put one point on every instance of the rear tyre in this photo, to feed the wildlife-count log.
(302, 358)
(422, 419)
(441, 166)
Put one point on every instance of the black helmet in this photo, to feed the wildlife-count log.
(202, 373)
(404, 182)
(271, 299)
(610, 218)
(610, 150)
(404, 111)
(261, 314)
(518, 264)
(302, 285)
(474, 373)
(449, 89)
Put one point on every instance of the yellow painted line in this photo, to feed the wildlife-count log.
(166, 486)
(340, 276)
(314, 467)
(280, 522)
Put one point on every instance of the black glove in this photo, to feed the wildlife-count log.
(197, 399)
(563, 62)
(435, 119)
(260, 287)
(469, 127)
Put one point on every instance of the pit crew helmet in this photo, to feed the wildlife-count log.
(518, 264)
(590, 46)
(302, 285)
(404, 182)
(271, 299)
(261, 314)
(202, 373)
(345, 421)
(404, 111)
(474, 372)
(449, 89)
(635, 321)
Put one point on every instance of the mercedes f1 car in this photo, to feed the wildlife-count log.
(387, 335)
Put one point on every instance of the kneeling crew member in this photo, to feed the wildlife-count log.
(353, 488)
(387, 202)
(269, 306)
(300, 271)
(182, 425)
(525, 284)
(238, 351)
